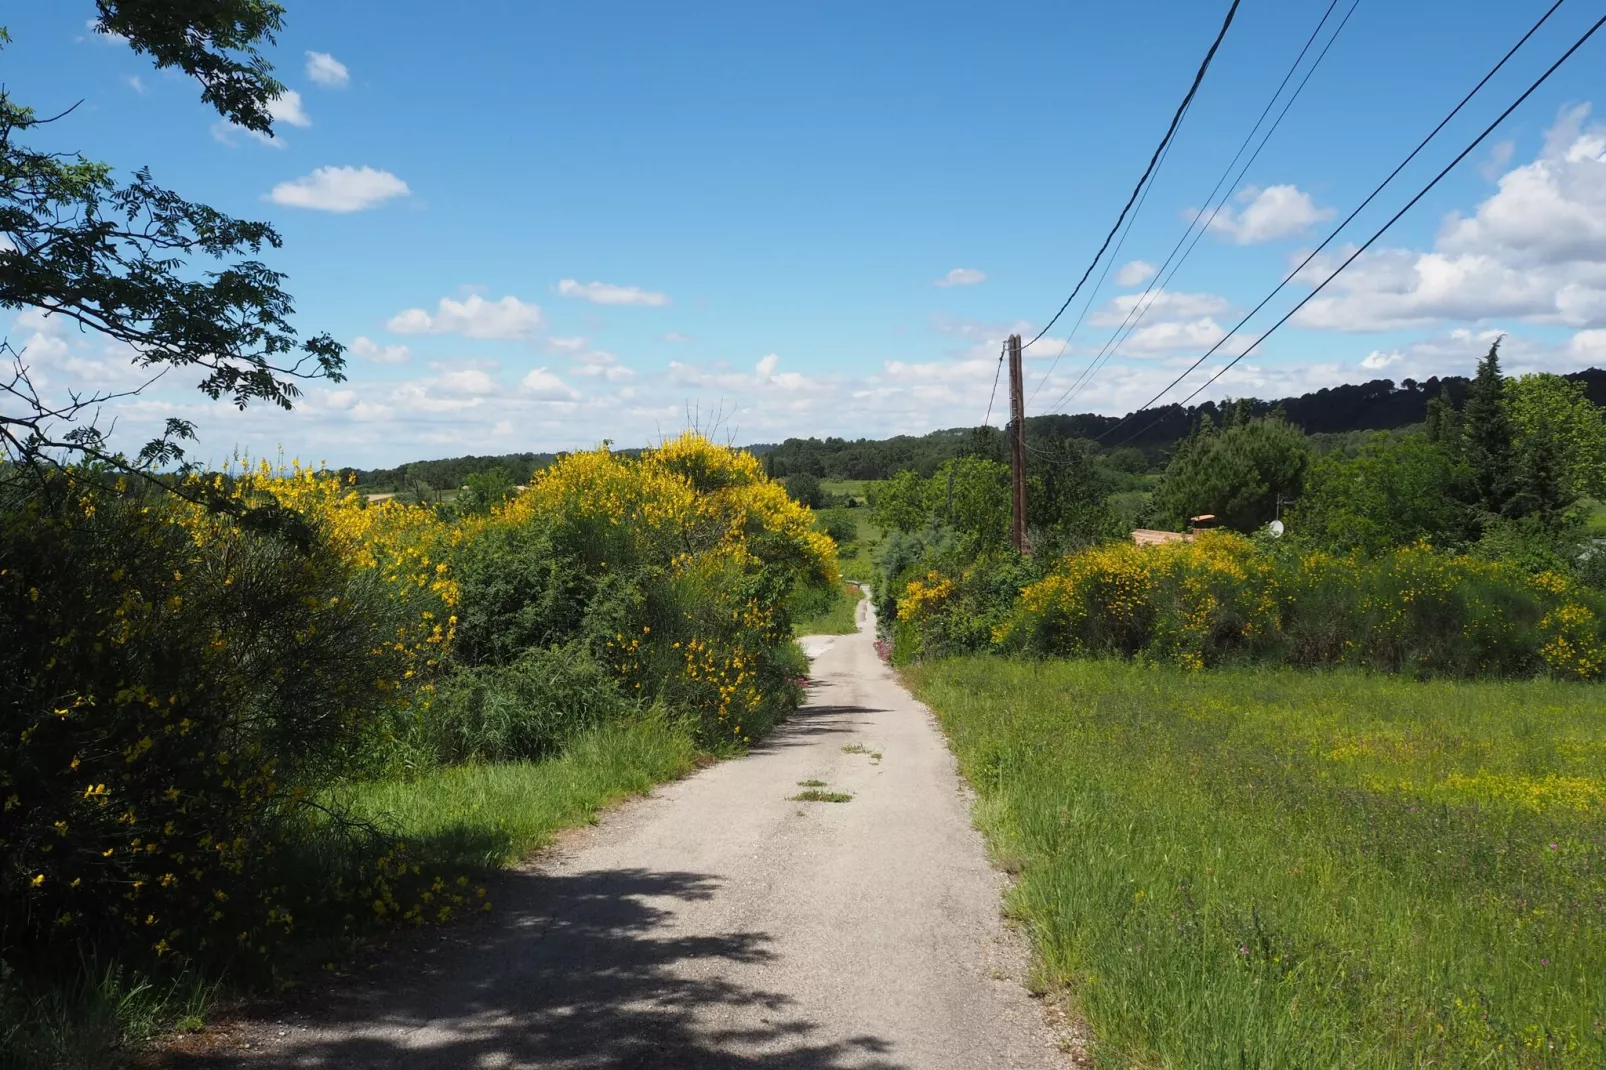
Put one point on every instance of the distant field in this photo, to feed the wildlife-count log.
(853, 487)
(834, 616)
(1595, 517)
(1285, 869)
(855, 556)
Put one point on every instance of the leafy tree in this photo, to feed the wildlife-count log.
(1066, 495)
(1390, 494)
(1488, 436)
(971, 495)
(484, 491)
(176, 284)
(1559, 437)
(899, 504)
(1443, 423)
(1236, 473)
(804, 487)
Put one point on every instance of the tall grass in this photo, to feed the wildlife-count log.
(831, 613)
(1274, 869)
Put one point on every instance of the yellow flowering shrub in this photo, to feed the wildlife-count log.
(1220, 598)
(177, 683)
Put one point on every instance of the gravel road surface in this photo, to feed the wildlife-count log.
(719, 923)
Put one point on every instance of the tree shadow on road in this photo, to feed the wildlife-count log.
(571, 971)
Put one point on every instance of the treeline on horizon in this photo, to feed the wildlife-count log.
(1378, 405)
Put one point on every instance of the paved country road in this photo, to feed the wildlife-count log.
(719, 924)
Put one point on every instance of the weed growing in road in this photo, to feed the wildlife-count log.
(816, 795)
(855, 748)
(811, 783)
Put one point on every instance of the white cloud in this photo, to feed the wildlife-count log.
(369, 350)
(1268, 214)
(566, 345)
(1377, 360)
(340, 189)
(543, 385)
(502, 428)
(602, 365)
(1171, 303)
(325, 70)
(470, 382)
(473, 317)
(136, 83)
(962, 277)
(286, 108)
(1588, 345)
(1200, 334)
(603, 293)
(93, 26)
(1133, 273)
(1534, 250)
(676, 336)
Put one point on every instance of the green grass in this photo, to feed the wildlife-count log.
(465, 819)
(852, 487)
(811, 783)
(1284, 869)
(836, 618)
(1594, 517)
(816, 795)
(485, 816)
(854, 556)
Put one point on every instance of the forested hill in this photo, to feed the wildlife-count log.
(1374, 406)
(1377, 405)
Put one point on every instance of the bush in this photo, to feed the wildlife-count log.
(175, 687)
(523, 710)
(1222, 599)
(805, 489)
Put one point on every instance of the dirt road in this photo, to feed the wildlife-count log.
(721, 924)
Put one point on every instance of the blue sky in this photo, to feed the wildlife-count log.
(541, 225)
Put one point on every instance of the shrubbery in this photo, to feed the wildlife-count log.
(183, 686)
(1223, 599)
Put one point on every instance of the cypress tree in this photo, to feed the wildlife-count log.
(1488, 435)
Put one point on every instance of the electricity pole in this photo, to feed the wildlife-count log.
(1017, 448)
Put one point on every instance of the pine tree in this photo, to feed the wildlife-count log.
(1444, 422)
(1488, 435)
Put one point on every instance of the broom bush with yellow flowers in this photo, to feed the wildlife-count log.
(195, 682)
(1226, 599)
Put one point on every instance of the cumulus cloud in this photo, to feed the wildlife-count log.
(1268, 214)
(470, 382)
(473, 317)
(286, 108)
(1134, 272)
(566, 345)
(1588, 346)
(340, 189)
(542, 385)
(603, 293)
(369, 350)
(1377, 360)
(1534, 250)
(1170, 303)
(323, 69)
(962, 277)
(602, 365)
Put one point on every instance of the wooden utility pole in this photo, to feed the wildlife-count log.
(1017, 448)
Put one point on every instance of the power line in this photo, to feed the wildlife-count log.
(1463, 154)
(993, 396)
(1347, 219)
(1176, 120)
(1162, 278)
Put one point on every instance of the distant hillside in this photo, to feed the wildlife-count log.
(1379, 405)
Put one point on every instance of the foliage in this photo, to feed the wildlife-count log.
(804, 488)
(1237, 473)
(1273, 868)
(174, 687)
(1560, 441)
(827, 612)
(1389, 494)
(174, 284)
(1487, 436)
(527, 709)
(484, 491)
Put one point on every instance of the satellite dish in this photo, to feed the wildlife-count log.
(1276, 529)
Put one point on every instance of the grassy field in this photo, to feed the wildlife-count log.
(1283, 869)
(852, 487)
(1595, 517)
(855, 556)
